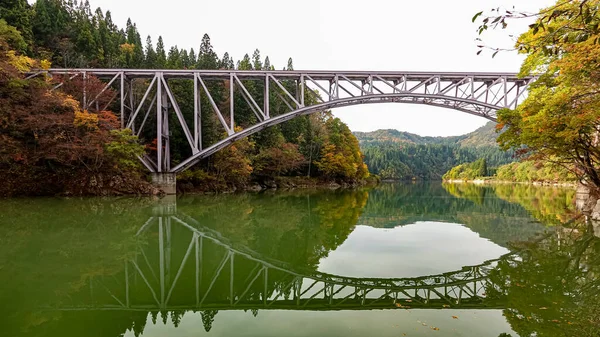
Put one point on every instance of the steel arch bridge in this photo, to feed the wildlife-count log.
(266, 284)
(480, 94)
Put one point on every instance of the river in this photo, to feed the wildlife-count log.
(395, 260)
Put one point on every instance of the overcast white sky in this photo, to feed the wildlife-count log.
(425, 35)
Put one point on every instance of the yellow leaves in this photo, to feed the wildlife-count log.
(70, 103)
(454, 317)
(22, 63)
(45, 64)
(127, 48)
(86, 120)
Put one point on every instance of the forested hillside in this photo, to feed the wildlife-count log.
(70, 34)
(403, 156)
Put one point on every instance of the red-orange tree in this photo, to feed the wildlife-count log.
(49, 145)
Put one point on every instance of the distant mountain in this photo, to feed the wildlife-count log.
(484, 136)
(391, 136)
(398, 155)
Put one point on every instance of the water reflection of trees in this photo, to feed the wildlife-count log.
(555, 290)
(549, 205)
(51, 250)
(295, 227)
(476, 207)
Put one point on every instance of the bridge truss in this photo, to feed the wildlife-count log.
(302, 92)
(269, 284)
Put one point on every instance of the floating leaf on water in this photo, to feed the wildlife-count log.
(424, 324)
(434, 328)
(455, 317)
(445, 306)
(543, 308)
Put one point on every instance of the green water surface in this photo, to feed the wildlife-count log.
(396, 260)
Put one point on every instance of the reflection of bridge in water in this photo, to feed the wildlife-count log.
(211, 273)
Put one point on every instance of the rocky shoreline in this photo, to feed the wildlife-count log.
(278, 183)
(493, 181)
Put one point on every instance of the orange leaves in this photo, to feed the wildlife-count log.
(127, 48)
(86, 120)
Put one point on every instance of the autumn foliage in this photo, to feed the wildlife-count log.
(50, 145)
(560, 119)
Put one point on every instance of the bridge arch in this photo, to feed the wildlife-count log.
(481, 109)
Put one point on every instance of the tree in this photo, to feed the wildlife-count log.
(256, 62)
(278, 160)
(341, 157)
(161, 55)
(151, 56)
(208, 317)
(559, 121)
(17, 13)
(579, 22)
(48, 138)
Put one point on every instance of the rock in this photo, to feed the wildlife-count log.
(596, 211)
(254, 188)
(270, 184)
(334, 186)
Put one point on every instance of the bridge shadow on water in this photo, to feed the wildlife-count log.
(122, 260)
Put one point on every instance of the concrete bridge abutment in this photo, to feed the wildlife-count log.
(167, 182)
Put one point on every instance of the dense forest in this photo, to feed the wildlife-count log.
(518, 171)
(535, 170)
(468, 171)
(70, 34)
(397, 155)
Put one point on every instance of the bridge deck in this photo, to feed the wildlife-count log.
(291, 74)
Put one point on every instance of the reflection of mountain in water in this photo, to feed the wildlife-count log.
(476, 207)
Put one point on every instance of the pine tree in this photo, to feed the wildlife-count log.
(245, 63)
(207, 58)
(151, 57)
(256, 63)
(161, 55)
(193, 58)
(174, 60)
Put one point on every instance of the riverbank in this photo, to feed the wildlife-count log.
(484, 181)
(277, 183)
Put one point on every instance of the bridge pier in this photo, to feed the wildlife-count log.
(167, 182)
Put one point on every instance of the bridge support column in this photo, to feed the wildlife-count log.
(167, 182)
